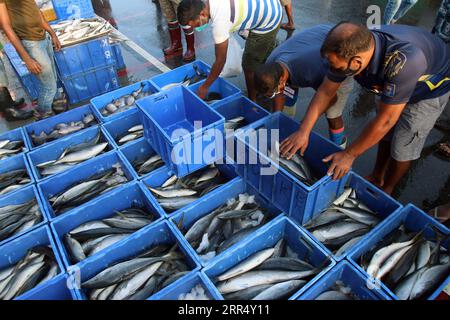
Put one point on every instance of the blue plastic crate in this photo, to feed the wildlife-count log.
(54, 289)
(48, 125)
(15, 135)
(190, 214)
(84, 57)
(191, 281)
(118, 127)
(239, 106)
(13, 251)
(414, 220)
(177, 75)
(351, 277)
(53, 150)
(146, 238)
(284, 189)
(19, 197)
(17, 163)
(137, 151)
(101, 208)
(119, 62)
(221, 86)
(169, 120)
(73, 9)
(100, 102)
(61, 182)
(267, 237)
(159, 176)
(84, 86)
(382, 204)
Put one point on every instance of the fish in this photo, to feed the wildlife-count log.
(148, 165)
(15, 219)
(11, 148)
(126, 102)
(74, 31)
(13, 180)
(280, 290)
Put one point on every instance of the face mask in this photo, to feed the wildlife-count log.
(202, 27)
(349, 72)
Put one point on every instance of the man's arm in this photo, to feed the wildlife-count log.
(51, 32)
(5, 22)
(221, 58)
(385, 120)
(319, 105)
(279, 102)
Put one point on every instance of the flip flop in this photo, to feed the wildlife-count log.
(444, 149)
(284, 26)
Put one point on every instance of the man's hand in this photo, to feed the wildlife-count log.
(203, 91)
(33, 66)
(56, 43)
(340, 165)
(297, 141)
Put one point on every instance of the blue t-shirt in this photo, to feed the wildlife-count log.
(409, 65)
(301, 56)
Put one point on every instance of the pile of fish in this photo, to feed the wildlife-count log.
(407, 263)
(197, 293)
(132, 134)
(344, 223)
(225, 226)
(177, 193)
(146, 166)
(13, 180)
(82, 192)
(10, 148)
(16, 218)
(71, 31)
(187, 81)
(63, 129)
(337, 292)
(139, 277)
(38, 266)
(270, 274)
(126, 102)
(235, 123)
(297, 166)
(73, 155)
(94, 236)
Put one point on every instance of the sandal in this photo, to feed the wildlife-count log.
(286, 26)
(444, 149)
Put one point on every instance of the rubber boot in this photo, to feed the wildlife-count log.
(190, 43)
(176, 46)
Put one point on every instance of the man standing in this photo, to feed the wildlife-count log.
(409, 68)
(261, 19)
(30, 34)
(288, 26)
(442, 24)
(297, 64)
(396, 9)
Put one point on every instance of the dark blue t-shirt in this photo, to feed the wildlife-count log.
(301, 56)
(409, 65)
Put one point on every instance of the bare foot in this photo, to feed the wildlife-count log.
(374, 179)
(287, 26)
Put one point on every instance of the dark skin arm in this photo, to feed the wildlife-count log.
(46, 26)
(341, 162)
(32, 65)
(320, 103)
(278, 102)
(221, 58)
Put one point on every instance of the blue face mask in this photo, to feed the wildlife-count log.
(202, 27)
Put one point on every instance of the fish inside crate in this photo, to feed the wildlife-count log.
(125, 128)
(223, 219)
(142, 157)
(408, 257)
(173, 193)
(352, 216)
(278, 262)
(12, 143)
(15, 173)
(150, 261)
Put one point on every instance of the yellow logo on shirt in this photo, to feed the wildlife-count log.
(433, 81)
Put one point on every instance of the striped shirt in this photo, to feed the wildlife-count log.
(259, 16)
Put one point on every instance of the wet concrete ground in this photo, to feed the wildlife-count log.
(142, 22)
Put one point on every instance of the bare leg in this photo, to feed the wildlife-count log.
(336, 123)
(251, 91)
(383, 156)
(290, 24)
(395, 172)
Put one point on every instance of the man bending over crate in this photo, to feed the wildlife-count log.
(260, 19)
(28, 31)
(409, 69)
(295, 64)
